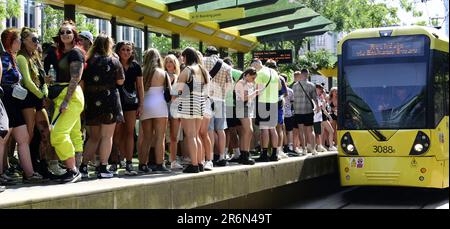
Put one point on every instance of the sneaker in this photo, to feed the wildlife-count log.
(48, 175)
(34, 179)
(54, 168)
(311, 150)
(262, 158)
(234, 160)
(2, 189)
(305, 151)
(285, 148)
(6, 180)
(179, 160)
(113, 168)
(12, 173)
(191, 169)
(208, 166)
(104, 173)
(143, 169)
(220, 163)
(282, 155)
(332, 148)
(245, 159)
(321, 149)
(161, 169)
(174, 165)
(273, 157)
(70, 176)
(291, 153)
(152, 166)
(123, 164)
(129, 171)
(186, 161)
(299, 151)
(201, 168)
(258, 149)
(84, 171)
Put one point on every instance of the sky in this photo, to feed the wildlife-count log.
(431, 8)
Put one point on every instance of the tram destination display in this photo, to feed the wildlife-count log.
(408, 46)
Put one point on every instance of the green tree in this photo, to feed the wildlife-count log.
(8, 9)
(354, 14)
(54, 17)
(187, 43)
(422, 23)
(409, 6)
(164, 43)
(161, 42)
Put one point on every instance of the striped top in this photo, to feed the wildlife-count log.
(191, 103)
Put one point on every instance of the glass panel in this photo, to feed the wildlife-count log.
(385, 96)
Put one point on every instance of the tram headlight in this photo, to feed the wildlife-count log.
(421, 144)
(347, 144)
(418, 147)
(350, 148)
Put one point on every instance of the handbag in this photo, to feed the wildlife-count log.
(55, 90)
(19, 92)
(4, 121)
(127, 97)
(167, 95)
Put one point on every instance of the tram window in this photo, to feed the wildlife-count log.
(440, 86)
(390, 95)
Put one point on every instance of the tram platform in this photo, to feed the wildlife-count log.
(169, 191)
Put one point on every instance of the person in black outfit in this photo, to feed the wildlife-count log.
(124, 139)
(103, 110)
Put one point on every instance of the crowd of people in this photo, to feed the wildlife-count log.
(81, 102)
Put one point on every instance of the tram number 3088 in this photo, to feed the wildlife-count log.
(383, 149)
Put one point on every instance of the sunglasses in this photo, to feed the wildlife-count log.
(35, 40)
(67, 32)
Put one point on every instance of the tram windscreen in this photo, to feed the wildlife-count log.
(385, 96)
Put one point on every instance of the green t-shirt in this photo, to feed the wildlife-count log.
(235, 74)
(270, 93)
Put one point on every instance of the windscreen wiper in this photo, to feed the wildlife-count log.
(377, 134)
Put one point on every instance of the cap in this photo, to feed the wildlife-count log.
(88, 35)
(211, 50)
(319, 85)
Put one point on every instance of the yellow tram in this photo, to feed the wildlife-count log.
(393, 123)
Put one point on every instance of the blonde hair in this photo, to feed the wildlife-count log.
(152, 61)
(172, 58)
(333, 89)
(102, 46)
(33, 59)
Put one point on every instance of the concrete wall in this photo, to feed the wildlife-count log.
(171, 190)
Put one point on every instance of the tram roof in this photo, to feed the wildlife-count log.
(439, 40)
(265, 20)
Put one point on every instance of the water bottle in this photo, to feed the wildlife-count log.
(52, 74)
